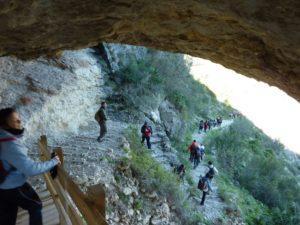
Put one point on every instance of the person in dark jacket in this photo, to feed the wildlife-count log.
(201, 126)
(219, 121)
(193, 150)
(180, 170)
(196, 156)
(146, 131)
(205, 126)
(101, 118)
(209, 124)
(14, 190)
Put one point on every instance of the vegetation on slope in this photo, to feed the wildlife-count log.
(255, 179)
(253, 165)
(160, 75)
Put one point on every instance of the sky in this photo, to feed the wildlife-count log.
(269, 108)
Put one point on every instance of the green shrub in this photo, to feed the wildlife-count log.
(138, 204)
(161, 75)
(255, 163)
(240, 200)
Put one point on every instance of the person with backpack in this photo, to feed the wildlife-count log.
(101, 118)
(15, 168)
(204, 183)
(205, 186)
(211, 171)
(146, 131)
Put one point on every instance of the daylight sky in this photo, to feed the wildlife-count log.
(269, 108)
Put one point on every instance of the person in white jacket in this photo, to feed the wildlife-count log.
(211, 171)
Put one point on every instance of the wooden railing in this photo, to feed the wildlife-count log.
(74, 206)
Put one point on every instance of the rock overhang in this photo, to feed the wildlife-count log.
(259, 39)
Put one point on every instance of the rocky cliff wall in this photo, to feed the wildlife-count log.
(155, 108)
(54, 96)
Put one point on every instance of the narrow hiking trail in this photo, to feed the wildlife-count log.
(87, 160)
(214, 206)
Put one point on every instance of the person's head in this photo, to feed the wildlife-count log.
(103, 105)
(210, 164)
(194, 141)
(145, 123)
(10, 119)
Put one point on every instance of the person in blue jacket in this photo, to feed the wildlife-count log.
(14, 190)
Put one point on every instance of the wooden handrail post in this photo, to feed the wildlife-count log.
(60, 154)
(96, 198)
(91, 206)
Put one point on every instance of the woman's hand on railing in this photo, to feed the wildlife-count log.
(58, 160)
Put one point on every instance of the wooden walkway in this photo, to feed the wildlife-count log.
(50, 213)
(63, 201)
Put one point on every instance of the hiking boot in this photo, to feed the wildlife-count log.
(100, 140)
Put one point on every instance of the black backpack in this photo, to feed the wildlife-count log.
(210, 174)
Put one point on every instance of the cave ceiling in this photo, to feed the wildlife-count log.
(257, 38)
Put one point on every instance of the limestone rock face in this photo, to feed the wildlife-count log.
(54, 96)
(171, 120)
(259, 39)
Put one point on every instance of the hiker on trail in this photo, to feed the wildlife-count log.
(180, 170)
(205, 126)
(101, 118)
(209, 124)
(201, 126)
(214, 122)
(15, 168)
(202, 151)
(197, 157)
(204, 183)
(211, 171)
(219, 121)
(192, 149)
(146, 131)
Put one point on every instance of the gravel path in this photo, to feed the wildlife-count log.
(214, 206)
(85, 159)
